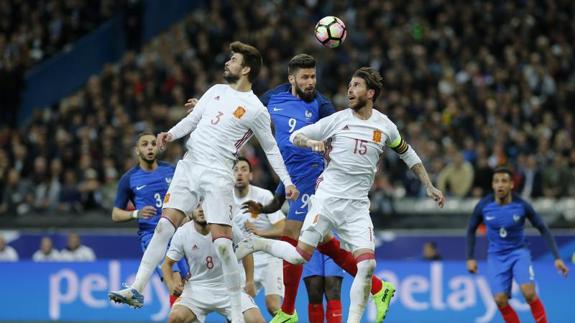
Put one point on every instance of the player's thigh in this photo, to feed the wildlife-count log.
(317, 223)
(273, 278)
(183, 311)
(219, 205)
(500, 274)
(523, 272)
(248, 306)
(299, 208)
(356, 231)
(183, 193)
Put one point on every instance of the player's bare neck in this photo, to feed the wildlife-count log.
(505, 200)
(242, 191)
(364, 112)
(202, 229)
(148, 166)
(242, 85)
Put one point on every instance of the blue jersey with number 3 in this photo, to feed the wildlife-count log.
(290, 113)
(145, 188)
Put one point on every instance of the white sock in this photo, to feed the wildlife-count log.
(232, 277)
(360, 289)
(154, 253)
(279, 249)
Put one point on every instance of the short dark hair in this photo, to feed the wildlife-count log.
(252, 58)
(144, 133)
(372, 79)
(244, 159)
(503, 170)
(300, 61)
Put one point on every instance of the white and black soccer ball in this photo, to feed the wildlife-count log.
(330, 31)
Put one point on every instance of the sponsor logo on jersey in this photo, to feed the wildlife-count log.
(377, 136)
(489, 218)
(239, 113)
(140, 187)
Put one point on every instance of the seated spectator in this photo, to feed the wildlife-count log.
(430, 251)
(70, 196)
(18, 194)
(75, 251)
(7, 253)
(47, 251)
(456, 178)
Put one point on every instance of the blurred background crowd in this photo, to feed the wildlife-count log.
(471, 84)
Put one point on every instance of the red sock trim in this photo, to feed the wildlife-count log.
(365, 256)
(334, 311)
(315, 313)
(173, 299)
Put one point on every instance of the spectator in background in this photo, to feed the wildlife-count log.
(75, 251)
(481, 178)
(430, 252)
(47, 251)
(70, 196)
(556, 178)
(531, 185)
(18, 194)
(456, 178)
(7, 253)
(90, 190)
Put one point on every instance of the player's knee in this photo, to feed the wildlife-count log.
(223, 247)
(273, 304)
(315, 287)
(501, 300)
(165, 226)
(529, 295)
(366, 267)
(333, 287)
(177, 317)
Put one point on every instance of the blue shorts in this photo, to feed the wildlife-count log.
(321, 265)
(180, 266)
(502, 269)
(298, 208)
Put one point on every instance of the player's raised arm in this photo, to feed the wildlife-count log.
(538, 223)
(413, 162)
(262, 131)
(474, 222)
(312, 136)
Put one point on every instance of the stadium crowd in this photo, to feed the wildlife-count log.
(472, 85)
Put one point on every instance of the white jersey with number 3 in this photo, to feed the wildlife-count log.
(222, 121)
(205, 266)
(353, 149)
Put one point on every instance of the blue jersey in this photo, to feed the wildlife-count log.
(145, 188)
(290, 113)
(505, 225)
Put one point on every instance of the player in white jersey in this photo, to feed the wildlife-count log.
(224, 119)
(353, 140)
(206, 290)
(268, 269)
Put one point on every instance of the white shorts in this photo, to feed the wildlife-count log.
(269, 275)
(349, 218)
(203, 300)
(192, 182)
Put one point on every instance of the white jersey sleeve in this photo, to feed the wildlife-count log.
(176, 250)
(393, 138)
(190, 122)
(262, 129)
(321, 130)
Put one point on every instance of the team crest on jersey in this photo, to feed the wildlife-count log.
(307, 114)
(167, 198)
(377, 136)
(239, 113)
(516, 217)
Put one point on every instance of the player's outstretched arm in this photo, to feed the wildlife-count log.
(254, 207)
(120, 215)
(431, 190)
(174, 287)
(277, 230)
(538, 223)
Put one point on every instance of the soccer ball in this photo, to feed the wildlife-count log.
(330, 31)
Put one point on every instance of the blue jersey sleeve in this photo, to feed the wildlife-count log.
(474, 222)
(124, 193)
(538, 223)
(326, 108)
(265, 98)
